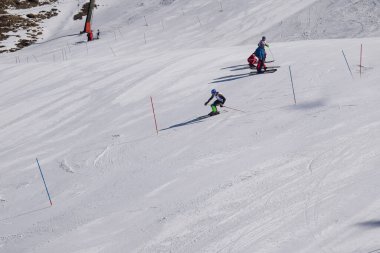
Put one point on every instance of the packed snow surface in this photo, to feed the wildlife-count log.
(275, 172)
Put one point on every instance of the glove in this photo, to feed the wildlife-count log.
(267, 45)
(221, 105)
(206, 103)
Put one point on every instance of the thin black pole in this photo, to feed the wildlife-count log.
(348, 65)
(291, 79)
(43, 179)
(154, 114)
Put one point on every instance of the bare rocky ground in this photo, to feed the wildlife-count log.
(83, 12)
(11, 24)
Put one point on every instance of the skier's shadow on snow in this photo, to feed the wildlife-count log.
(235, 66)
(370, 224)
(239, 76)
(241, 68)
(25, 213)
(308, 105)
(230, 78)
(193, 121)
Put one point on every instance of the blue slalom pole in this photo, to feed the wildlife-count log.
(43, 179)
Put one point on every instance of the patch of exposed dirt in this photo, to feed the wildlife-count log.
(23, 4)
(83, 12)
(12, 23)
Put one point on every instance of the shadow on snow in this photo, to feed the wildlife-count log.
(193, 121)
(236, 66)
(25, 213)
(370, 224)
(239, 76)
(230, 78)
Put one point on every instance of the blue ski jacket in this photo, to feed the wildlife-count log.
(260, 53)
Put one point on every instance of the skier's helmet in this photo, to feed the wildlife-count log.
(263, 38)
(213, 91)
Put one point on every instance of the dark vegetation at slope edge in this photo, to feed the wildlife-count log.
(12, 23)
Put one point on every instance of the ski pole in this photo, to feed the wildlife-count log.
(271, 53)
(234, 109)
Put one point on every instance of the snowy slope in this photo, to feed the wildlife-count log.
(327, 19)
(277, 177)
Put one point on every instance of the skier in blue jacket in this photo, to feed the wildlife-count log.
(261, 55)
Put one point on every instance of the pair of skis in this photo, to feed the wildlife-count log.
(267, 71)
(231, 108)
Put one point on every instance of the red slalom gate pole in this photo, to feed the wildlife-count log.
(154, 114)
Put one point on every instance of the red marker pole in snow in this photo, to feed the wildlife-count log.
(43, 179)
(154, 114)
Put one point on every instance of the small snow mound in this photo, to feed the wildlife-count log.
(65, 167)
